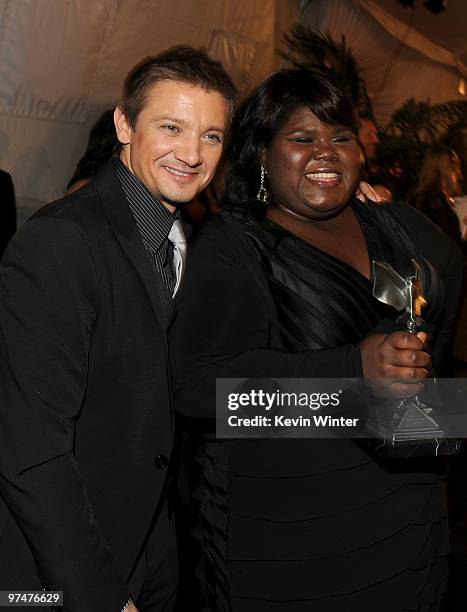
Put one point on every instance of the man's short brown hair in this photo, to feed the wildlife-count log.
(180, 63)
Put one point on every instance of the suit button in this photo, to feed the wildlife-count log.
(161, 462)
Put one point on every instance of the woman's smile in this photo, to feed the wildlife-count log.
(324, 178)
(312, 167)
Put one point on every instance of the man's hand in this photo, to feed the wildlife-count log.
(376, 193)
(394, 365)
(130, 607)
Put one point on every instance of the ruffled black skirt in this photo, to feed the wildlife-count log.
(294, 525)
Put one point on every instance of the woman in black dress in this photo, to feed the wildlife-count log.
(278, 285)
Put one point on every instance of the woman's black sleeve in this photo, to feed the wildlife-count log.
(223, 328)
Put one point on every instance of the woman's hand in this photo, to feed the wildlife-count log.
(394, 365)
(376, 193)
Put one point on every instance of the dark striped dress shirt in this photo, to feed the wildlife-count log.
(153, 220)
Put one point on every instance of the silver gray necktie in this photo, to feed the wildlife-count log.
(177, 238)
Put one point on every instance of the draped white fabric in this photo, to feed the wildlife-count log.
(399, 63)
(411, 37)
(62, 62)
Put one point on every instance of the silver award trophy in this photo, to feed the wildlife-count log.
(409, 426)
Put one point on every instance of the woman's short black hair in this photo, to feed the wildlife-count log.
(263, 114)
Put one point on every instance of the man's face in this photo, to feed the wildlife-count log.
(177, 140)
(368, 136)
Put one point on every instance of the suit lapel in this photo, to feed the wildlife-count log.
(126, 232)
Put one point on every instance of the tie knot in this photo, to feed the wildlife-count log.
(176, 234)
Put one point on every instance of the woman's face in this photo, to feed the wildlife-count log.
(313, 167)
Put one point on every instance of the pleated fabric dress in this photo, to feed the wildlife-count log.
(320, 525)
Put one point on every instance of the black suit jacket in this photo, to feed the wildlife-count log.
(85, 399)
(7, 210)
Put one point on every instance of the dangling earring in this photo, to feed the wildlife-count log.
(262, 194)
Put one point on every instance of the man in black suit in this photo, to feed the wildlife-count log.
(7, 210)
(86, 288)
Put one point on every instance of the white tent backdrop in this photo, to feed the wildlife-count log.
(446, 29)
(62, 62)
(399, 60)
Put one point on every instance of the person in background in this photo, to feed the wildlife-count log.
(440, 181)
(7, 210)
(279, 285)
(86, 299)
(102, 144)
(368, 137)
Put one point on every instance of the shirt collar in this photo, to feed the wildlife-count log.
(153, 220)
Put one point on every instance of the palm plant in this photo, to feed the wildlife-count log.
(320, 53)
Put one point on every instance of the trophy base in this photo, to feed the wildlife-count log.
(388, 448)
(413, 432)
